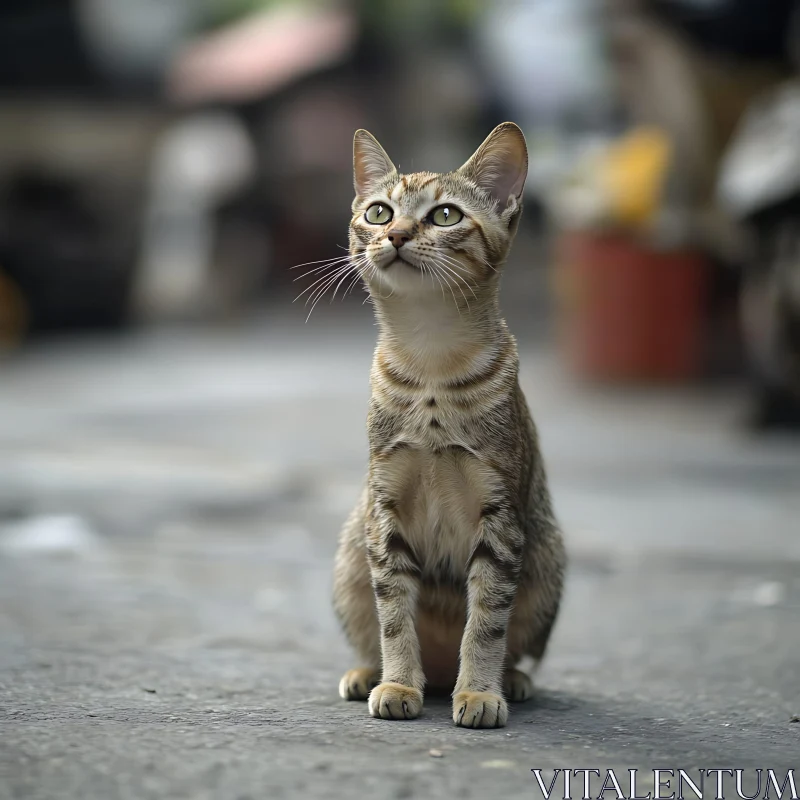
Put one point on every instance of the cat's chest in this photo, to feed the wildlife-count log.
(433, 423)
(439, 506)
(437, 480)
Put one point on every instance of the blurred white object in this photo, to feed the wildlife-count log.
(199, 163)
(769, 594)
(547, 62)
(136, 37)
(209, 154)
(762, 167)
(56, 534)
(546, 55)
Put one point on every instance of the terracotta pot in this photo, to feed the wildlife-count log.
(629, 313)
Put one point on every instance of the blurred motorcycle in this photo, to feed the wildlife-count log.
(759, 186)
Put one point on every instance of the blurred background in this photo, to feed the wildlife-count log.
(171, 424)
(169, 161)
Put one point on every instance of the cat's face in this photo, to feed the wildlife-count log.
(428, 232)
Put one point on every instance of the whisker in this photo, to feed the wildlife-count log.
(449, 286)
(434, 275)
(480, 260)
(312, 299)
(452, 272)
(459, 279)
(357, 263)
(322, 291)
(319, 261)
(454, 269)
(368, 298)
(317, 282)
(352, 284)
(323, 280)
(456, 263)
(344, 278)
(334, 263)
(345, 273)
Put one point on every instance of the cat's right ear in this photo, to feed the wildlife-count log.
(370, 163)
(500, 165)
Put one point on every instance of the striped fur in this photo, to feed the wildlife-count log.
(450, 568)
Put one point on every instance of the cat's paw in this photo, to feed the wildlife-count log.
(356, 684)
(479, 710)
(517, 686)
(395, 701)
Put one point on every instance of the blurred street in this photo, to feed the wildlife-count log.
(170, 503)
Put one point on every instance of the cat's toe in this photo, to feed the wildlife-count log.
(356, 684)
(479, 710)
(395, 701)
(517, 686)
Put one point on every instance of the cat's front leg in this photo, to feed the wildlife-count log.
(395, 581)
(492, 578)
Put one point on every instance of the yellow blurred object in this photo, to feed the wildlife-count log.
(13, 313)
(633, 174)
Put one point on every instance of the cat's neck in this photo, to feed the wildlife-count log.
(435, 339)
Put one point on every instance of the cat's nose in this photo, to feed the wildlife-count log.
(398, 237)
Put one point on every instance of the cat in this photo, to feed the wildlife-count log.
(450, 568)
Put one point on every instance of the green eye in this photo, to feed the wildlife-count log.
(446, 216)
(378, 214)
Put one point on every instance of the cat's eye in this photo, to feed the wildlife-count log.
(444, 216)
(378, 214)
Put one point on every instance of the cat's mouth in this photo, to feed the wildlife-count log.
(398, 259)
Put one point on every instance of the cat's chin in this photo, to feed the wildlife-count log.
(400, 262)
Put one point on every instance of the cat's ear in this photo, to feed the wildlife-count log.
(500, 164)
(370, 163)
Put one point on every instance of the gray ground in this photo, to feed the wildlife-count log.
(172, 636)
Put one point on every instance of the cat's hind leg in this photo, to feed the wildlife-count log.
(357, 683)
(517, 686)
(535, 611)
(354, 604)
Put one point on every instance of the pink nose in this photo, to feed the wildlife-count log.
(398, 237)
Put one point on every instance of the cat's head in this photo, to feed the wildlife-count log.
(420, 232)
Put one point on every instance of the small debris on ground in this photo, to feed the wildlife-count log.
(768, 594)
(435, 753)
(49, 534)
(795, 719)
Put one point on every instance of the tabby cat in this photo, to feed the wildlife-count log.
(450, 568)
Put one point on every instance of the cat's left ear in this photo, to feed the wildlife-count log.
(370, 163)
(500, 164)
